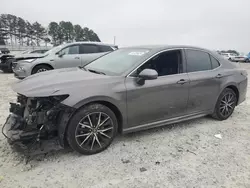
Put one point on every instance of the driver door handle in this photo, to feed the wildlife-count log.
(218, 76)
(182, 81)
(77, 57)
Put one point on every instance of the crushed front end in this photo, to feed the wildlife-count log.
(34, 120)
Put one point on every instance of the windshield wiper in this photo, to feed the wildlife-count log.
(95, 71)
(82, 67)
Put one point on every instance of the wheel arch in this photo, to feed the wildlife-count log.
(234, 87)
(236, 90)
(41, 64)
(66, 117)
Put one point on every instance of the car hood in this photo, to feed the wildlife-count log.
(29, 56)
(5, 56)
(57, 82)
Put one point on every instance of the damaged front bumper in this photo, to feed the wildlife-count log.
(34, 120)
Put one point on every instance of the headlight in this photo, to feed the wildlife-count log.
(29, 60)
(59, 98)
(20, 68)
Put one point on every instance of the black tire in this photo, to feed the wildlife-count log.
(220, 111)
(5, 70)
(40, 68)
(82, 132)
(9, 69)
(10, 65)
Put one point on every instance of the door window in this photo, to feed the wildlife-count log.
(89, 49)
(197, 61)
(166, 63)
(71, 50)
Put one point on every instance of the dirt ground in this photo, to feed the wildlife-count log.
(181, 155)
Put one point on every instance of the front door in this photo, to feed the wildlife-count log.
(68, 57)
(159, 99)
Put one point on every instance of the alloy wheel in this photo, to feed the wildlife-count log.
(94, 131)
(41, 70)
(227, 104)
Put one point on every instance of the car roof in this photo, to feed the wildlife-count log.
(161, 47)
(157, 48)
(87, 42)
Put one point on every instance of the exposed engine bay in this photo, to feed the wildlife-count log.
(34, 120)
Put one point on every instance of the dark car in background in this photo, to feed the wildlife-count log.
(4, 51)
(127, 90)
(6, 60)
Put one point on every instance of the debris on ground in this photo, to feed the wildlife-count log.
(157, 163)
(218, 136)
(125, 161)
(142, 169)
(179, 149)
(191, 152)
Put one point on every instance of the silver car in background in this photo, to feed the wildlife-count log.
(63, 56)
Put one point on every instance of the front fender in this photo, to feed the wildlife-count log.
(67, 115)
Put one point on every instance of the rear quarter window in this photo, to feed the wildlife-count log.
(215, 62)
(89, 49)
(105, 48)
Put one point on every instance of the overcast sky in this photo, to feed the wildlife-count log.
(213, 24)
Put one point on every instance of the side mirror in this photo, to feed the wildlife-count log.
(147, 74)
(61, 53)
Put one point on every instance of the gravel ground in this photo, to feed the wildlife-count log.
(181, 155)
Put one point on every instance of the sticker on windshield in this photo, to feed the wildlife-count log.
(138, 53)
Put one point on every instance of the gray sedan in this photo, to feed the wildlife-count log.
(63, 56)
(124, 91)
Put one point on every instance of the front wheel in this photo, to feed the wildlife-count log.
(40, 68)
(225, 104)
(92, 129)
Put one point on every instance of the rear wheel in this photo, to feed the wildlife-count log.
(225, 104)
(41, 68)
(92, 129)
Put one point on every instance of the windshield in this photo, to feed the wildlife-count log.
(54, 50)
(117, 62)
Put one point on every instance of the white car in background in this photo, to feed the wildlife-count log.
(229, 56)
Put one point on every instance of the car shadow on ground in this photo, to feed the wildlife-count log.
(56, 152)
(1, 72)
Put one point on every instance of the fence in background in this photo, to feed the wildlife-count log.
(24, 48)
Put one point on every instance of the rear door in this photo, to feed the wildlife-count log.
(205, 81)
(90, 52)
(70, 57)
